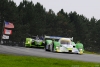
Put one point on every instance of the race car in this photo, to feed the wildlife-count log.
(34, 42)
(62, 44)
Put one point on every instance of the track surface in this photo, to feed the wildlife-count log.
(43, 53)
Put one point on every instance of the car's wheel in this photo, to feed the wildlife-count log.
(33, 43)
(27, 46)
(43, 44)
(45, 47)
(52, 48)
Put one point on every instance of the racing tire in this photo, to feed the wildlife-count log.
(52, 48)
(43, 44)
(27, 46)
(45, 47)
(33, 43)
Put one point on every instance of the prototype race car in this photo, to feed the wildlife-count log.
(61, 44)
(34, 42)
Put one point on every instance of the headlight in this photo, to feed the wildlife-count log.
(80, 49)
(57, 47)
(28, 41)
(69, 48)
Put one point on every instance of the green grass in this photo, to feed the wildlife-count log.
(31, 61)
(88, 52)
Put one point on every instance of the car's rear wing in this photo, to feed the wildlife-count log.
(54, 37)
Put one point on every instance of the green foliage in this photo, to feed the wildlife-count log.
(32, 19)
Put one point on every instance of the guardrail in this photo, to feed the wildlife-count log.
(13, 43)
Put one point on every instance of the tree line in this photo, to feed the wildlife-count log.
(32, 19)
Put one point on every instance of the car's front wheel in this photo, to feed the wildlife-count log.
(52, 47)
(45, 47)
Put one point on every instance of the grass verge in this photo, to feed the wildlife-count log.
(88, 52)
(31, 61)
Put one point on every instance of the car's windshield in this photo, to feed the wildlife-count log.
(64, 42)
(51, 39)
(32, 40)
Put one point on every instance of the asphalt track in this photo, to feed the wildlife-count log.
(42, 53)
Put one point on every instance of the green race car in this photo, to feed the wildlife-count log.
(61, 44)
(34, 42)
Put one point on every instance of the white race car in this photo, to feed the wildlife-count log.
(60, 44)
